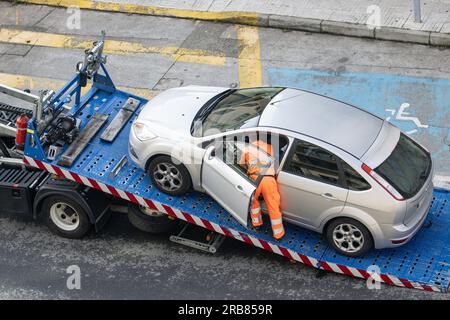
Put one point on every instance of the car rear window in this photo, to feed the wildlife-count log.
(407, 168)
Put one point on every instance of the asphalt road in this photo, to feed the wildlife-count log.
(122, 263)
(148, 54)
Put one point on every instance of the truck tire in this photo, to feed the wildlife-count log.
(65, 217)
(349, 237)
(148, 220)
(170, 178)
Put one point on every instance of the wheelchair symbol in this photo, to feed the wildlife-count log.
(404, 116)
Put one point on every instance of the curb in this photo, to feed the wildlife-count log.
(264, 20)
(359, 30)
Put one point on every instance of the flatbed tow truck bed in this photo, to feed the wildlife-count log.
(103, 164)
(423, 263)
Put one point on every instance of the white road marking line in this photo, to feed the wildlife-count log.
(441, 181)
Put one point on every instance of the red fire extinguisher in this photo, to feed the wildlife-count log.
(21, 125)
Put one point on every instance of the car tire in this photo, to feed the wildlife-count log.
(65, 217)
(170, 178)
(349, 237)
(150, 221)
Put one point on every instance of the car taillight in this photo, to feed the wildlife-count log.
(386, 186)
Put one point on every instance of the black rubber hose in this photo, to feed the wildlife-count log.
(4, 149)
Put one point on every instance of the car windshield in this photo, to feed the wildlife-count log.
(407, 168)
(234, 110)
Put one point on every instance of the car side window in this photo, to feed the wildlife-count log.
(354, 180)
(240, 141)
(311, 161)
(231, 153)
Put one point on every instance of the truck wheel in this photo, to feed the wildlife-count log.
(168, 177)
(349, 237)
(65, 217)
(148, 220)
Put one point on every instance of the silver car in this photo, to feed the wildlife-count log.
(341, 170)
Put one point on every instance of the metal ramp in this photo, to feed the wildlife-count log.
(424, 263)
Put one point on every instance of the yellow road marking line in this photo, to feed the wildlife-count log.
(249, 59)
(111, 46)
(38, 83)
(249, 18)
(17, 16)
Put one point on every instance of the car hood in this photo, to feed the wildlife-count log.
(173, 110)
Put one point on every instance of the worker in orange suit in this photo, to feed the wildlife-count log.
(257, 158)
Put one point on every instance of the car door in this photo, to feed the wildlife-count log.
(310, 185)
(226, 182)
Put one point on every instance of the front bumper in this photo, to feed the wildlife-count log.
(134, 149)
(132, 152)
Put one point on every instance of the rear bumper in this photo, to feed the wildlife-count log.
(397, 235)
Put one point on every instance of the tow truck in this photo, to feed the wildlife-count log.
(69, 164)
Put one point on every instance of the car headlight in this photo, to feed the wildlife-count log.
(142, 131)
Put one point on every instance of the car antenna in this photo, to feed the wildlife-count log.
(273, 103)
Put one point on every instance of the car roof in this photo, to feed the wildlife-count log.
(345, 126)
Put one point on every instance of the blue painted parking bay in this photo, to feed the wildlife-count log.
(419, 106)
(424, 263)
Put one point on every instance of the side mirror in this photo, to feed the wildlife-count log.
(211, 152)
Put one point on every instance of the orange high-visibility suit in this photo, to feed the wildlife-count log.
(256, 165)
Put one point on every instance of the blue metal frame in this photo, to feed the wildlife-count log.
(63, 96)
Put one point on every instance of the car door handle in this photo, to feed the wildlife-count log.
(239, 188)
(328, 196)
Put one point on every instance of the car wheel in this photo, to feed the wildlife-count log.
(168, 177)
(349, 237)
(148, 220)
(65, 217)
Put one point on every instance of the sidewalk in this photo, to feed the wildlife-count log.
(379, 19)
